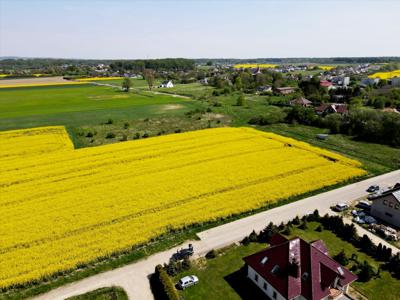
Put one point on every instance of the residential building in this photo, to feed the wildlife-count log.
(286, 90)
(296, 269)
(331, 108)
(369, 81)
(341, 81)
(264, 88)
(395, 81)
(386, 206)
(301, 102)
(166, 84)
(327, 84)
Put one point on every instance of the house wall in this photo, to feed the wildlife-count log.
(388, 209)
(251, 273)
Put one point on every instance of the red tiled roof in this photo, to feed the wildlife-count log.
(310, 258)
(325, 83)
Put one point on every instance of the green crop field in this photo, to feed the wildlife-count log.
(78, 105)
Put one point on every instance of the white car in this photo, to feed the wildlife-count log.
(188, 281)
(341, 206)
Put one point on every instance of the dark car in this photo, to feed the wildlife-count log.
(373, 188)
(183, 253)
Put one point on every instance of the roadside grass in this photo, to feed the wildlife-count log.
(108, 293)
(221, 277)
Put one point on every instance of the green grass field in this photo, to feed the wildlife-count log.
(81, 105)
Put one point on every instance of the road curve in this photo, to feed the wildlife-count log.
(134, 277)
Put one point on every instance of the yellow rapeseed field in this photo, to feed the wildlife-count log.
(385, 75)
(61, 206)
(40, 84)
(98, 78)
(326, 68)
(253, 66)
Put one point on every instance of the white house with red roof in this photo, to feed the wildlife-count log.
(295, 269)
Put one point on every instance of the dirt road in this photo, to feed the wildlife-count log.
(134, 277)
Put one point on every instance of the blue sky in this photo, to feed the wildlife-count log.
(195, 28)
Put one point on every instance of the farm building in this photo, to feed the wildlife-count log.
(301, 101)
(387, 206)
(166, 84)
(295, 269)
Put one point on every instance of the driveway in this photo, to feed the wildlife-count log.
(134, 277)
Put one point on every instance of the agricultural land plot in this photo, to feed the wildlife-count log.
(73, 206)
(32, 82)
(81, 105)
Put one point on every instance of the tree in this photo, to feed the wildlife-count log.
(126, 84)
(149, 76)
(241, 100)
(341, 258)
(366, 272)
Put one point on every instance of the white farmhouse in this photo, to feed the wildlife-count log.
(166, 84)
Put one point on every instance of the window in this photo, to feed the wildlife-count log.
(264, 260)
(265, 286)
(255, 277)
(275, 269)
(388, 214)
(274, 294)
(304, 276)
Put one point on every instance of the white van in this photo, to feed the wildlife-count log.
(341, 206)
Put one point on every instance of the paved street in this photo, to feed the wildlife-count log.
(134, 277)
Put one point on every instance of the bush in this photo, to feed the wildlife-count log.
(211, 254)
(145, 135)
(366, 272)
(341, 258)
(136, 136)
(126, 125)
(186, 264)
(319, 228)
(124, 138)
(89, 134)
(166, 283)
(110, 135)
(109, 121)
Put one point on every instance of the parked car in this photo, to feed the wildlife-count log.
(370, 220)
(341, 207)
(359, 220)
(188, 281)
(373, 188)
(364, 204)
(183, 253)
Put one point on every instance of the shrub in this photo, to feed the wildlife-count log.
(319, 228)
(145, 135)
(168, 287)
(109, 121)
(136, 136)
(211, 254)
(110, 135)
(366, 272)
(124, 138)
(89, 134)
(186, 264)
(341, 258)
(126, 125)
